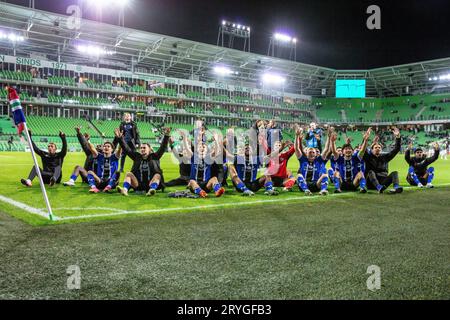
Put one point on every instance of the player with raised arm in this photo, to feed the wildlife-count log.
(348, 174)
(377, 166)
(419, 174)
(204, 171)
(89, 164)
(107, 175)
(146, 174)
(52, 163)
(184, 162)
(312, 174)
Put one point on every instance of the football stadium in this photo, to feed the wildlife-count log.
(178, 169)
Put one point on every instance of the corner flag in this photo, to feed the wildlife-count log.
(16, 109)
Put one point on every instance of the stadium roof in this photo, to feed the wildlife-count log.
(48, 34)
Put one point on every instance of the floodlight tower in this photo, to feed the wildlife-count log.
(232, 30)
(279, 42)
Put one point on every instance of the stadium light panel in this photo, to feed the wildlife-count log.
(224, 22)
(270, 78)
(11, 37)
(282, 37)
(222, 71)
(94, 50)
(294, 40)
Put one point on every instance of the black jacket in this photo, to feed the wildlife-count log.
(153, 158)
(420, 165)
(380, 164)
(50, 162)
(135, 139)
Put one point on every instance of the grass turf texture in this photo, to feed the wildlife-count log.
(318, 248)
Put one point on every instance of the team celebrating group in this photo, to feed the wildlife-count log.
(206, 160)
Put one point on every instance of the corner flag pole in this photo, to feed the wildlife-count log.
(21, 124)
(36, 166)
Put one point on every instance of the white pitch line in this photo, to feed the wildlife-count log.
(26, 207)
(128, 212)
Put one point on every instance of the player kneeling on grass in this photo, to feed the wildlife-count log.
(418, 173)
(348, 175)
(377, 166)
(244, 170)
(146, 174)
(204, 171)
(52, 162)
(312, 174)
(107, 175)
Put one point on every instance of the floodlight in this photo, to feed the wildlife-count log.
(282, 37)
(294, 40)
(222, 70)
(271, 78)
(93, 50)
(224, 22)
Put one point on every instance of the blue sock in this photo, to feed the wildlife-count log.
(91, 180)
(430, 174)
(379, 187)
(324, 184)
(396, 186)
(111, 183)
(241, 186)
(362, 183)
(197, 190)
(153, 185)
(126, 185)
(216, 187)
(301, 183)
(268, 186)
(337, 183)
(73, 177)
(331, 174)
(413, 175)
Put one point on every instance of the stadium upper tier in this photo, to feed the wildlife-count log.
(379, 110)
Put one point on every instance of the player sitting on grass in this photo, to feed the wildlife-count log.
(418, 173)
(312, 173)
(348, 174)
(89, 164)
(146, 174)
(204, 170)
(244, 170)
(107, 175)
(377, 166)
(52, 162)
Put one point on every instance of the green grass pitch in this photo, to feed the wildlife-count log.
(285, 247)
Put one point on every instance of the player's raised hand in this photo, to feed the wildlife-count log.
(62, 134)
(436, 146)
(367, 134)
(410, 146)
(78, 129)
(118, 133)
(376, 139)
(396, 132)
(333, 137)
(166, 131)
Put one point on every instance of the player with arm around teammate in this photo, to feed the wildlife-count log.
(348, 173)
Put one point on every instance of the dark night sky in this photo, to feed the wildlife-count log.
(331, 33)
